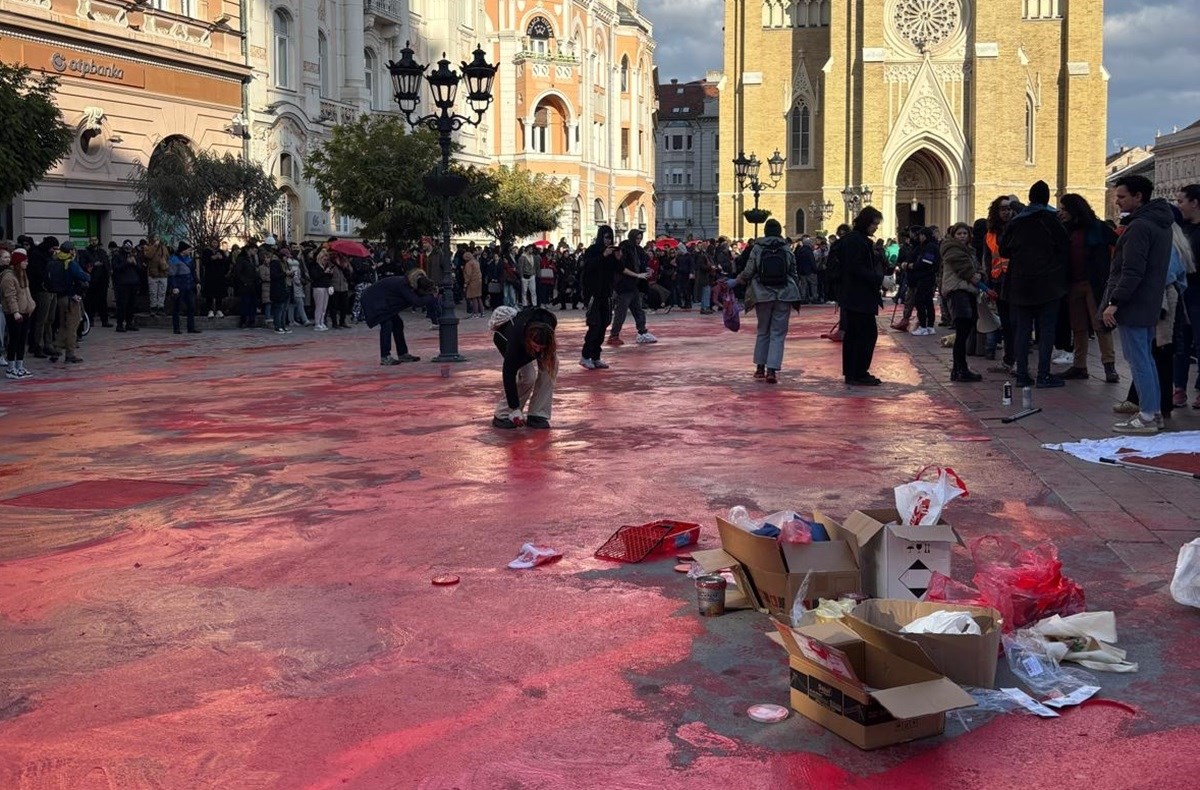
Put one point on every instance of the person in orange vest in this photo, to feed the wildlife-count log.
(995, 268)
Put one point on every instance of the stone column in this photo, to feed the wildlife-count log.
(354, 79)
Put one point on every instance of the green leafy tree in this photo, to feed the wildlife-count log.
(33, 135)
(373, 170)
(516, 203)
(206, 196)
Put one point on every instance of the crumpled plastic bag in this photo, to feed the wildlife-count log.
(943, 622)
(1032, 662)
(531, 556)
(920, 502)
(795, 530)
(1086, 639)
(1185, 586)
(731, 313)
(1024, 585)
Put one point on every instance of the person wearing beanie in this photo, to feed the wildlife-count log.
(631, 279)
(1038, 251)
(18, 305)
(773, 288)
(181, 279)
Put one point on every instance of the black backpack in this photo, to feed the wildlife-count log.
(773, 266)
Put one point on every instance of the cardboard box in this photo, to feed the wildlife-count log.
(966, 659)
(870, 687)
(898, 561)
(773, 573)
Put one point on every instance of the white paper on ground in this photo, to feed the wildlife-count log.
(1145, 446)
(1084, 639)
(1030, 704)
(1074, 698)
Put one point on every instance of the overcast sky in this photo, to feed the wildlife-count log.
(1150, 50)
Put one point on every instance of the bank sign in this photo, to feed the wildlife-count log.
(86, 67)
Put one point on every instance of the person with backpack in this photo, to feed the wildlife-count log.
(772, 287)
(527, 343)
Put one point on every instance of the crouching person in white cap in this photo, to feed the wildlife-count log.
(527, 343)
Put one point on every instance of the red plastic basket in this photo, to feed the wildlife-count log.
(635, 543)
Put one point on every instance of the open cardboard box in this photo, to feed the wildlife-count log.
(872, 688)
(898, 561)
(770, 574)
(964, 658)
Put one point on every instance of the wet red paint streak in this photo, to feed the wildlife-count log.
(278, 627)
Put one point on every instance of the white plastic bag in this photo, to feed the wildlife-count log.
(920, 502)
(943, 622)
(1185, 587)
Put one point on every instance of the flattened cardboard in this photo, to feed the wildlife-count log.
(964, 658)
(777, 574)
(906, 700)
(716, 560)
(897, 561)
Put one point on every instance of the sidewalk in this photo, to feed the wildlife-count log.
(239, 593)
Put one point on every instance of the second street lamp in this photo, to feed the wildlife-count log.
(443, 82)
(746, 171)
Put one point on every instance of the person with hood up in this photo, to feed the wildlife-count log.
(772, 288)
(382, 303)
(599, 268)
(1038, 251)
(961, 278)
(1133, 297)
(181, 280)
(69, 282)
(526, 341)
(18, 305)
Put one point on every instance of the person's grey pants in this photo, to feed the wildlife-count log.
(772, 332)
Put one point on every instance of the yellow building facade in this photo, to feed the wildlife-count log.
(929, 108)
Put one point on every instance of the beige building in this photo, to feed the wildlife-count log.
(133, 77)
(930, 107)
(1176, 161)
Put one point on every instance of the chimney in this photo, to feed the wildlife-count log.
(674, 82)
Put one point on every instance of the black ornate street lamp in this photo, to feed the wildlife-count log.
(746, 171)
(443, 86)
(856, 197)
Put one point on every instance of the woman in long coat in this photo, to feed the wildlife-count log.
(473, 284)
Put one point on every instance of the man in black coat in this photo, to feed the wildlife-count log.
(597, 271)
(1038, 250)
(381, 305)
(859, 296)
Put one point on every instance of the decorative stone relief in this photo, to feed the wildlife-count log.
(902, 73)
(926, 113)
(802, 88)
(927, 23)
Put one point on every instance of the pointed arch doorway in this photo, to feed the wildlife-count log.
(923, 192)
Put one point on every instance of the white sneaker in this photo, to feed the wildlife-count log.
(220, 314)
(11, 374)
(23, 373)
(320, 328)
(210, 313)
(587, 363)
(1063, 358)
(646, 337)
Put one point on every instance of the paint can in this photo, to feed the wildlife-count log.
(1006, 395)
(1026, 397)
(710, 595)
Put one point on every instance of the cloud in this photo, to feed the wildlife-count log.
(1150, 51)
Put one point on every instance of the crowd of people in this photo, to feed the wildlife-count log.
(1029, 275)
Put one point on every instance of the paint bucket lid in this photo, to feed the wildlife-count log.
(683, 567)
(445, 580)
(767, 714)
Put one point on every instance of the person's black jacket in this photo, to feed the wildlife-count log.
(597, 270)
(806, 261)
(214, 270)
(1099, 240)
(509, 339)
(862, 276)
(387, 298)
(927, 261)
(1039, 258)
(320, 278)
(633, 258)
(279, 286)
(38, 266)
(246, 275)
(125, 269)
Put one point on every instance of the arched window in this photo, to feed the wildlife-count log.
(800, 136)
(289, 168)
(800, 222)
(371, 77)
(539, 33)
(324, 65)
(641, 215)
(598, 211)
(283, 49)
(1030, 116)
(625, 74)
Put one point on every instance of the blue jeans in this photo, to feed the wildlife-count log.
(510, 294)
(1135, 347)
(1187, 338)
(772, 332)
(279, 311)
(186, 299)
(706, 297)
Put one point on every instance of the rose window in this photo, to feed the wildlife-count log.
(927, 23)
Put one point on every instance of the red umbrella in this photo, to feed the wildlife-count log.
(542, 244)
(350, 249)
(667, 243)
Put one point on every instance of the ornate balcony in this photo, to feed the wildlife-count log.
(389, 10)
